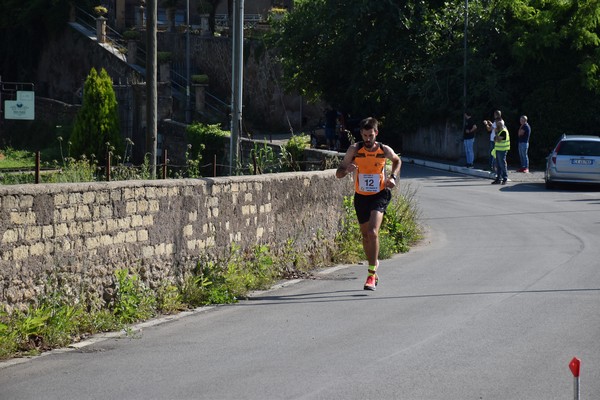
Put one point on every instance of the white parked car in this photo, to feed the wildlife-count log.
(575, 159)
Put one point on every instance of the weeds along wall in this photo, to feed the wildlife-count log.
(73, 237)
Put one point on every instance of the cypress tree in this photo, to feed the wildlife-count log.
(96, 128)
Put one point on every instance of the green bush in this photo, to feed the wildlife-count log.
(163, 57)
(200, 79)
(195, 290)
(96, 130)
(263, 159)
(100, 10)
(206, 141)
(399, 230)
(250, 270)
(133, 300)
(131, 35)
(292, 152)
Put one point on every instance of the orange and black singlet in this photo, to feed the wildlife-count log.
(369, 178)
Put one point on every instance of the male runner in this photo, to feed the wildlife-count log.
(372, 188)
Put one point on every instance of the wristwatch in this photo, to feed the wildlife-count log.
(393, 176)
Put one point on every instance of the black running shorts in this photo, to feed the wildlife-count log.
(375, 202)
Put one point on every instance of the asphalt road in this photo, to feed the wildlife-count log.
(496, 301)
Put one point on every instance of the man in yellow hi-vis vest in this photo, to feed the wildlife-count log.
(501, 148)
(372, 188)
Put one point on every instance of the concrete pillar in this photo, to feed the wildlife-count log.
(164, 72)
(204, 26)
(101, 29)
(120, 15)
(171, 18)
(200, 91)
(132, 51)
(140, 17)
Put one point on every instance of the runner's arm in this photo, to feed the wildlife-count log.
(396, 165)
(347, 166)
(394, 158)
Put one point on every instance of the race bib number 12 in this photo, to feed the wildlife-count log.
(368, 182)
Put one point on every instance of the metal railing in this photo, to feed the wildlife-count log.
(250, 20)
(88, 21)
(179, 82)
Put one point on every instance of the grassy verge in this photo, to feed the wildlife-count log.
(400, 228)
(11, 158)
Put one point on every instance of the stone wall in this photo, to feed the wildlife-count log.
(444, 142)
(66, 62)
(74, 236)
(266, 106)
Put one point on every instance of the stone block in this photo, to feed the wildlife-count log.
(137, 220)
(142, 236)
(142, 206)
(10, 203)
(20, 252)
(153, 206)
(33, 233)
(25, 202)
(22, 218)
(89, 197)
(37, 249)
(131, 237)
(9, 236)
(147, 220)
(131, 207)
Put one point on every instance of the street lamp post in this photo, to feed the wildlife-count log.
(151, 85)
(188, 111)
(236, 83)
(465, 63)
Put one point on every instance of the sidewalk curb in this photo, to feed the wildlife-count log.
(447, 167)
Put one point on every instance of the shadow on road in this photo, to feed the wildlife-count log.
(352, 295)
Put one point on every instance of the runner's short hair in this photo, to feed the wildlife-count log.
(369, 123)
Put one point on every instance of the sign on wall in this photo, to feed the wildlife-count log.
(22, 108)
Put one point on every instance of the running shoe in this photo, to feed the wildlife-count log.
(371, 283)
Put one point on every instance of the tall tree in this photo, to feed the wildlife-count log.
(403, 60)
(96, 127)
(357, 55)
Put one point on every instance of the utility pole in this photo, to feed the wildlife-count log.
(465, 65)
(188, 102)
(1, 108)
(236, 84)
(151, 85)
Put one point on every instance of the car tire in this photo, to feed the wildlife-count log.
(549, 184)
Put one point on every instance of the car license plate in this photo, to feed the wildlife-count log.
(581, 161)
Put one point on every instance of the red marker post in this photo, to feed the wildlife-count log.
(574, 366)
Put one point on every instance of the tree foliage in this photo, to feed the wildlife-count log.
(403, 60)
(206, 142)
(96, 129)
